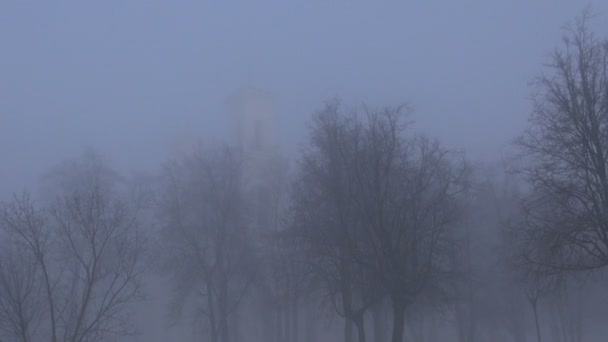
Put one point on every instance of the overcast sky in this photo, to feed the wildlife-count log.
(130, 77)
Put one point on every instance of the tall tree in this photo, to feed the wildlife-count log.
(413, 199)
(96, 219)
(21, 300)
(375, 207)
(25, 229)
(205, 223)
(567, 150)
(325, 223)
(83, 253)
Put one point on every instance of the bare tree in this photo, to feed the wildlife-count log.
(287, 286)
(26, 229)
(96, 221)
(533, 285)
(325, 224)
(489, 300)
(204, 214)
(567, 306)
(414, 199)
(409, 196)
(21, 306)
(567, 150)
(375, 208)
(83, 254)
(277, 290)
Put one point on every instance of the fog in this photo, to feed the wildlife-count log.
(157, 103)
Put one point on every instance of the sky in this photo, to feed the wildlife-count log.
(130, 78)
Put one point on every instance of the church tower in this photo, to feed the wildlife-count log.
(253, 115)
(253, 121)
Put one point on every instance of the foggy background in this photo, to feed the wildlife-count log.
(138, 80)
(131, 78)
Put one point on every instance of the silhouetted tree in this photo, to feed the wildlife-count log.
(21, 300)
(567, 150)
(325, 223)
(25, 230)
(375, 208)
(82, 254)
(206, 233)
(96, 221)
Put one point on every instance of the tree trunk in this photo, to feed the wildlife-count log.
(348, 330)
(294, 316)
(223, 311)
(211, 317)
(360, 324)
(268, 321)
(518, 329)
(287, 318)
(379, 322)
(235, 325)
(311, 325)
(49, 297)
(398, 320)
(534, 304)
(279, 325)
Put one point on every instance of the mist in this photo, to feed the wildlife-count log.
(303, 171)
